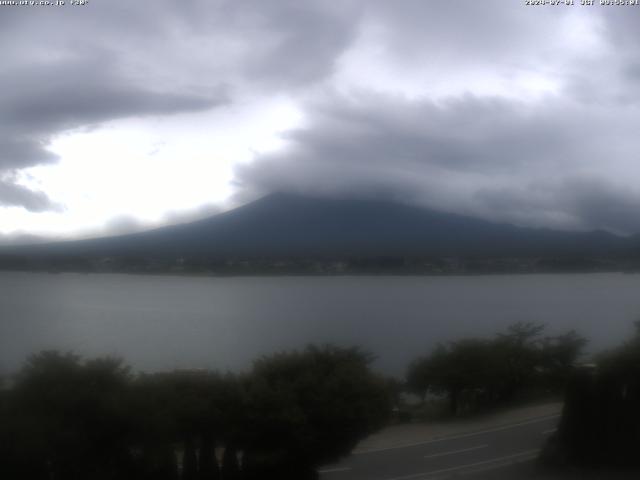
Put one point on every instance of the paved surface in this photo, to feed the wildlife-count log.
(410, 433)
(498, 450)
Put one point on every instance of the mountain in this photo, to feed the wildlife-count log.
(288, 226)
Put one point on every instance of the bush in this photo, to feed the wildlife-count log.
(474, 373)
(68, 419)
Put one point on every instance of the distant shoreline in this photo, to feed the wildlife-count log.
(326, 275)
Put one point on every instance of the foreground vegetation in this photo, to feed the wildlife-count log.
(67, 419)
(477, 373)
(600, 425)
(64, 418)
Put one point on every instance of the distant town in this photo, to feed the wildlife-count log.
(317, 266)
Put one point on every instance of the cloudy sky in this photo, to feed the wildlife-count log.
(123, 114)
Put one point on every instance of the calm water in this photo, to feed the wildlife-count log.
(158, 322)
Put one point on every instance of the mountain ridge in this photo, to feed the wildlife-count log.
(284, 225)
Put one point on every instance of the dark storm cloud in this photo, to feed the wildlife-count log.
(449, 32)
(609, 205)
(22, 152)
(42, 100)
(77, 67)
(12, 195)
(565, 159)
(45, 100)
(462, 106)
(310, 38)
(493, 158)
(47, 97)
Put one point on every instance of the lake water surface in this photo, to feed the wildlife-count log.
(165, 322)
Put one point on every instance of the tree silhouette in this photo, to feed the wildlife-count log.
(69, 419)
(600, 424)
(475, 372)
(311, 407)
(230, 466)
(207, 464)
(73, 417)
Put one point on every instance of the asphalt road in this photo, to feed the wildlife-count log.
(508, 450)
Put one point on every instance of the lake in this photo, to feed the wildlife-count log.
(166, 322)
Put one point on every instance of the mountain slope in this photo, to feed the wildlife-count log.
(283, 225)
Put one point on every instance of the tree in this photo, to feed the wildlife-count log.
(70, 417)
(600, 424)
(207, 464)
(419, 377)
(311, 407)
(465, 368)
(230, 468)
(191, 410)
(475, 372)
(519, 349)
(558, 357)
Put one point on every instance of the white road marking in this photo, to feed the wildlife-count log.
(525, 454)
(456, 437)
(551, 430)
(495, 466)
(453, 452)
(335, 470)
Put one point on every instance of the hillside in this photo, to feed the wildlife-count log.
(284, 226)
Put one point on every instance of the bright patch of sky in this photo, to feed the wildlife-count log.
(147, 168)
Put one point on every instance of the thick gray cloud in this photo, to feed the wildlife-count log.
(490, 108)
(489, 157)
(90, 95)
(21, 239)
(566, 157)
(48, 95)
(12, 194)
(40, 101)
(609, 205)
(81, 66)
(125, 224)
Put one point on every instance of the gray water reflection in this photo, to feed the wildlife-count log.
(164, 322)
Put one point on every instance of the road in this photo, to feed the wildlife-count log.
(474, 454)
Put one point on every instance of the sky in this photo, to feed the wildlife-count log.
(120, 115)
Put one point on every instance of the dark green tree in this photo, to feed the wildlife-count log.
(311, 407)
(466, 371)
(474, 372)
(190, 409)
(419, 377)
(519, 349)
(558, 357)
(71, 416)
(600, 424)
